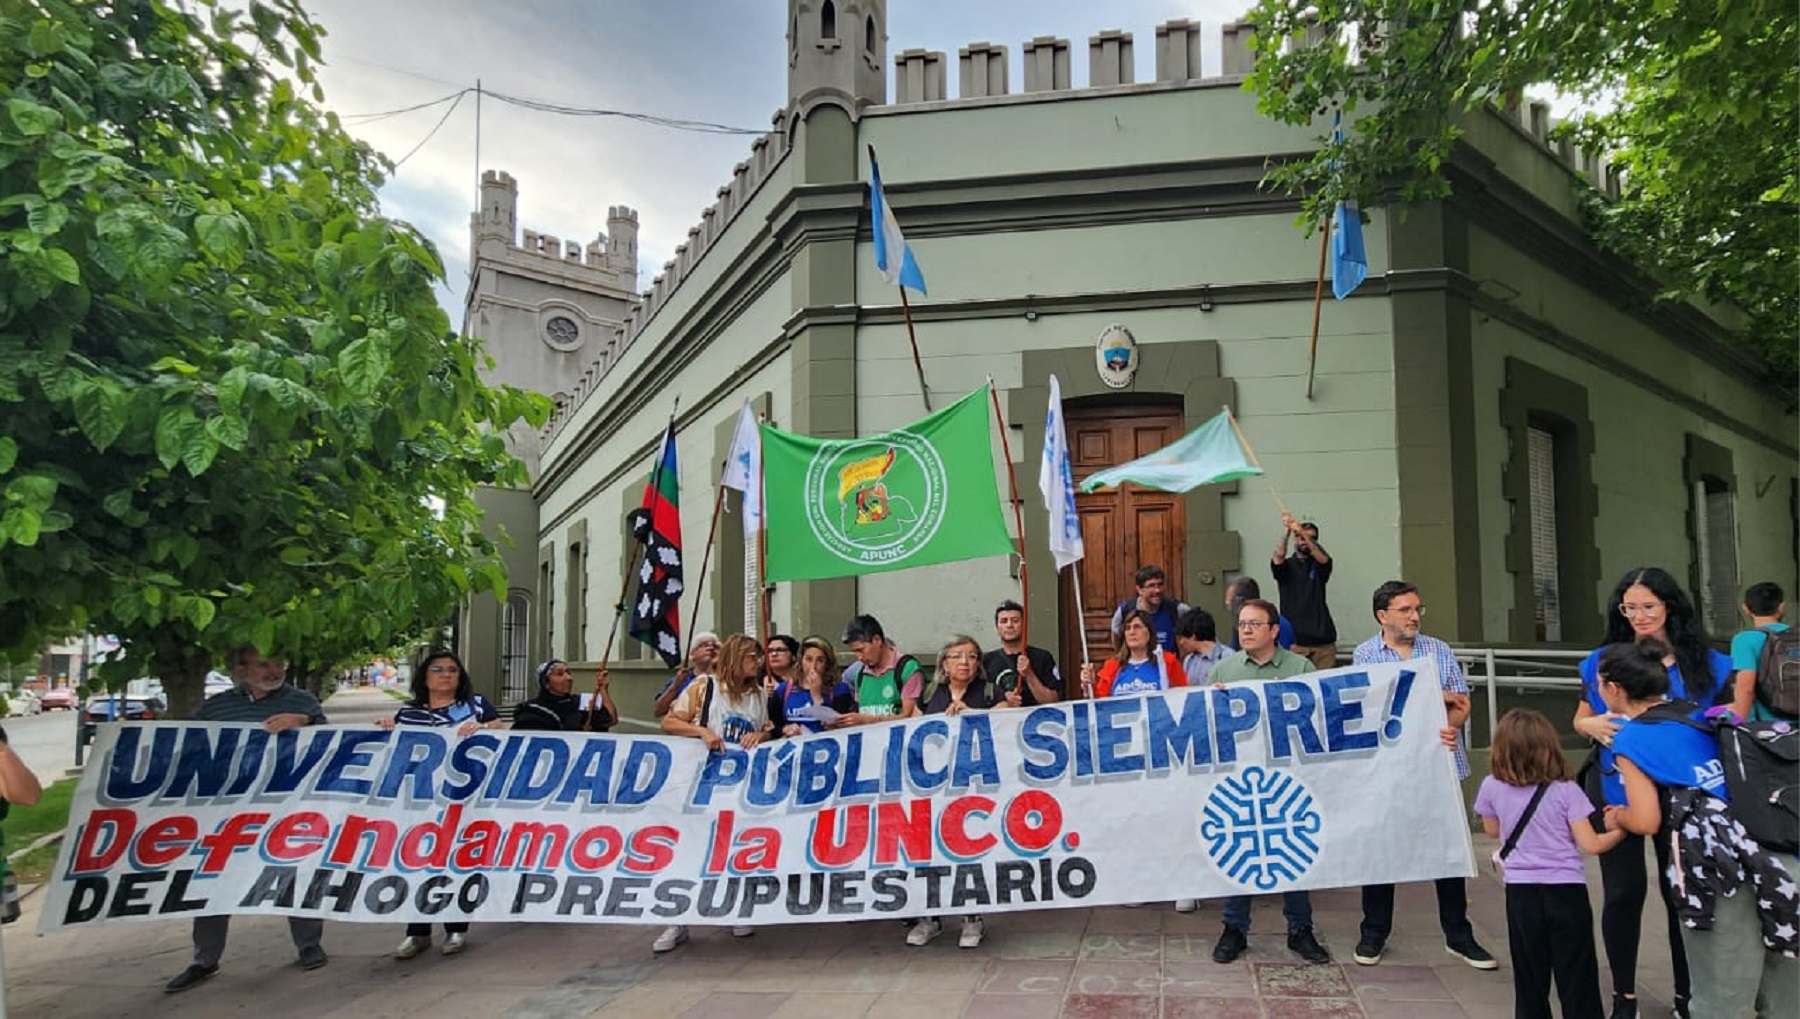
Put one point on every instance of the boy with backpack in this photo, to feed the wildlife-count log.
(1765, 659)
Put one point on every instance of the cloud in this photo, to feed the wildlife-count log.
(722, 62)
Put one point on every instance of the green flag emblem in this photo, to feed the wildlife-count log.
(915, 496)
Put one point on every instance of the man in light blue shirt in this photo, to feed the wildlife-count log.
(1399, 610)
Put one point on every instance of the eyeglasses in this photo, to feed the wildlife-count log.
(1418, 610)
(1251, 624)
(441, 669)
(1650, 609)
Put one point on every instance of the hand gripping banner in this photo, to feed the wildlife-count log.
(1327, 780)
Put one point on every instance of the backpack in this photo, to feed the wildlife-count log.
(1762, 773)
(1778, 672)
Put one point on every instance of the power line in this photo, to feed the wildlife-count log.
(370, 118)
(434, 130)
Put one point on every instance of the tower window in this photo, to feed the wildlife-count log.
(869, 34)
(828, 20)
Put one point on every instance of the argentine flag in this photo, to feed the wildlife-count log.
(893, 258)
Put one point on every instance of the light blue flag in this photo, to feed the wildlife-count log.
(1056, 480)
(893, 256)
(1205, 456)
(1349, 262)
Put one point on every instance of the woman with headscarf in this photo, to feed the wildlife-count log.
(557, 707)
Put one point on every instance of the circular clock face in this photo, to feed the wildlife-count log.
(562, 332)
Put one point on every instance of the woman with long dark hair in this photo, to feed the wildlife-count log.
(443, 696)
(1646, 605)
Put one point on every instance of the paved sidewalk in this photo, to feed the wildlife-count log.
(1110, 961)
(1103, 962)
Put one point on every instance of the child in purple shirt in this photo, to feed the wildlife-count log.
(1548, 921)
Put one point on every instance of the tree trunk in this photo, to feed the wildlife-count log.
(182, 669)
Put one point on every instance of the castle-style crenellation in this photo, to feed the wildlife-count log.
(836, 50)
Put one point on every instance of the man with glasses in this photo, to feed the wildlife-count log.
(263, 695)
(1260, 658)
(1399, 610)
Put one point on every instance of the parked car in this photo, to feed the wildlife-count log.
(107, 707)
(61, 698)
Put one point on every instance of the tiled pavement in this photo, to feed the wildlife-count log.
(1079, 963)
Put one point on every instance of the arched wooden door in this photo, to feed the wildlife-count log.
(1122, 529)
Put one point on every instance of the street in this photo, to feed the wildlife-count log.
(46, 742)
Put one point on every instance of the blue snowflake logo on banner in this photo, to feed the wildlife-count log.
(1260, 828)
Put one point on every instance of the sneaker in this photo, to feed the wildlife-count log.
(973, 930)
(1473, 954)
(1186, 905)
(1231, 945)
(1368, 951)
(1303, 944)
(193, 976)
(1681, 1007)
(1624, 1007)
(670, 939)
(743, 931)
(924, 932)
(455, 943)
(312, 957)
(412, 945)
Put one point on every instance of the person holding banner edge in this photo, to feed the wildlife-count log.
(1399, 611)
(264, 695)
(1259, 658)
(443, 696)
(703, 654)
(729, 706)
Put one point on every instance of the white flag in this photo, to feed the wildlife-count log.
(1056, 479)
(743, 469)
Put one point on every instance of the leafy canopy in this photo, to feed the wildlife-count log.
(235, 411)
(1698, 106)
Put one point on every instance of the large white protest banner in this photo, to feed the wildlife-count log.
(1330, 779)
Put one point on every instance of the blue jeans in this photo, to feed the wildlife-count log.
(1295, 906)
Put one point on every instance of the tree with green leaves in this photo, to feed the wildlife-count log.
(1694, 101)
(235, 412)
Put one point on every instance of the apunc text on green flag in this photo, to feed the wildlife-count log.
(914, 496)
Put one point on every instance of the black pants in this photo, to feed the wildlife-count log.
(1551, 931)
(1452, 903)
(1625, 886)
(423, 930)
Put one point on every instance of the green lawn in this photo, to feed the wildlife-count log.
(25, 825)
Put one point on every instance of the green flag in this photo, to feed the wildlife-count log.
(1205, 456)
(914, 496)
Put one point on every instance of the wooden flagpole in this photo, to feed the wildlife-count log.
(918, 368)
(1087, 689)
(1312, 356)
(1251, 453)
(612, 632)
(712, 531)
(1012, 482)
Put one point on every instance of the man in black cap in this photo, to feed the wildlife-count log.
(557, 707)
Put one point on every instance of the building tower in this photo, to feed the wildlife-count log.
(837, 54)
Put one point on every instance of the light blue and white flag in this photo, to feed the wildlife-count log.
(1056, 479)
(1207, 455)
(893, 257)
(743, 469)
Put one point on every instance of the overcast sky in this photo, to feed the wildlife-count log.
(714, 60)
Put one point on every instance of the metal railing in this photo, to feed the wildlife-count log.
(1490, 669)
